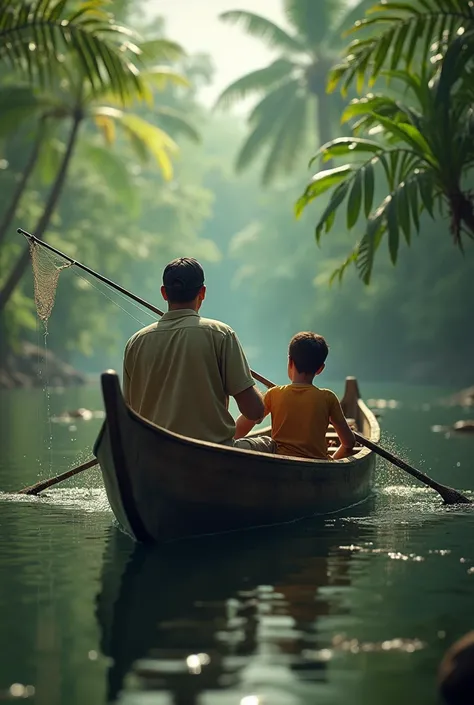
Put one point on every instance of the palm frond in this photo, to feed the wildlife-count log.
(19, 103)
(161, 50)
(155, 140)
(288, 139)
(161, 77)
(350, 16)
(174, 122)
(35, 35)
(395, 31)
(262, 28)
(256, 82)
(265, 120)
(314, 20)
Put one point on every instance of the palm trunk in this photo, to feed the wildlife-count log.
(55, 193)
(25, 177)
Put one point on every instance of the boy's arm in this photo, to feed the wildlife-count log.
(342, 428)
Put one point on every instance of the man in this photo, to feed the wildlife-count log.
(180, 372)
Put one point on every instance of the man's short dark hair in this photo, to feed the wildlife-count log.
(308, 351)
(183, 278)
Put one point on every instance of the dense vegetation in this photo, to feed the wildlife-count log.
(124, 213)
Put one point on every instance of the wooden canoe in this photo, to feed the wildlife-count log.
(163, 486)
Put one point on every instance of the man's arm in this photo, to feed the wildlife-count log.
(237, 379)
(244, 425)
(250, 405)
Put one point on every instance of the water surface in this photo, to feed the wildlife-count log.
(344, 609)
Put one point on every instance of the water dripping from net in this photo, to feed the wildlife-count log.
(46, 271)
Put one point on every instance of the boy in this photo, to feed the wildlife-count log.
(300, 411)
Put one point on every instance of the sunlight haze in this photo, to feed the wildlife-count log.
(196, 25)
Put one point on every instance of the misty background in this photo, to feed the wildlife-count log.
(266, 276)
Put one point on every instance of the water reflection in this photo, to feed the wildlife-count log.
(209, 616)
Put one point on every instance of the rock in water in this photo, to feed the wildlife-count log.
(464, 426)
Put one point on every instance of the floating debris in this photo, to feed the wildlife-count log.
(460, 427)
(82, 414)
(341, 643)
(463, 398)
(383, 403)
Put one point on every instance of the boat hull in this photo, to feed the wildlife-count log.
(162, 486)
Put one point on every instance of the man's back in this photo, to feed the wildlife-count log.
(180, 371)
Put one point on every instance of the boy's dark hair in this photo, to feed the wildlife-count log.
(308, 351)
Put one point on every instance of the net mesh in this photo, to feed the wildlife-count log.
(46, 270)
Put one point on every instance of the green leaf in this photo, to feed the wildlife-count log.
(340, 271)
(345, 146)
(416, 35)
(369, 187)
(287, 141)
(355, 200)
(19, 104)
(49, 160)
(399, 45)
(87, 35)
(161, 50)
(426, 187)
(392, 227)
(258, 26)
(415, 207)
(322, 182)
(410, 135)
(156, 141)
(383, 47)
(403, 209)
(256, 82)
(369, 245)
(174, 122)
(328, 217)
(160, 77)
(266, 120)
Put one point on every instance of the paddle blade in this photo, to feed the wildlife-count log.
(452, 496)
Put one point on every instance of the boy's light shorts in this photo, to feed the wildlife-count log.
(262, 444)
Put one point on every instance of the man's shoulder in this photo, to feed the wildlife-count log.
(140, 333)
(217, 326)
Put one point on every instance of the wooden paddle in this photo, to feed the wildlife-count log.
(450, 495)
(44, 484)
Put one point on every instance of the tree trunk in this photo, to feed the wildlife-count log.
(43, 222)
(10, 213)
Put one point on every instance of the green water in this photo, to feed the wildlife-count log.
(348, 609)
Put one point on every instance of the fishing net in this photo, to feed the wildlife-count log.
(46, 270)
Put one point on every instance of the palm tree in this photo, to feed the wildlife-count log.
(395, 33)
(36, 35)
(75, 102)
(425, 153)
(295, 109)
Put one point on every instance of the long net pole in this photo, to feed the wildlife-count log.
(36, 241)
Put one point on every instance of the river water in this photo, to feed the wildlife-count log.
(354, 609)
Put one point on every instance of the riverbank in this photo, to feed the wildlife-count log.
(31, 365)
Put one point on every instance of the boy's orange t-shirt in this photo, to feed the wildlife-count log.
(300, 417)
